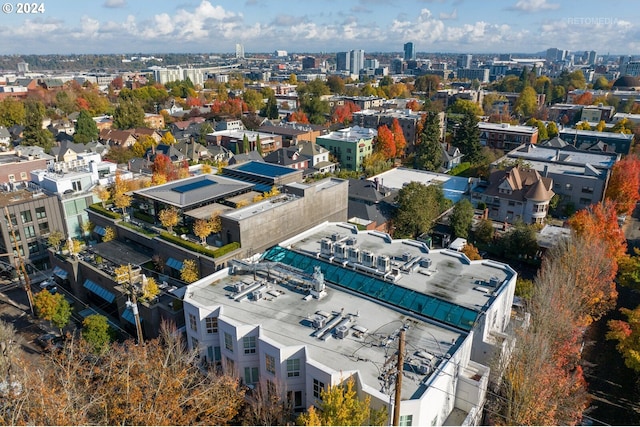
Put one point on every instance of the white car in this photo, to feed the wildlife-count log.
(47, 284)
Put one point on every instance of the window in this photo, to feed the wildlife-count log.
(212, 325)
(228, 341)
(406, 420)
(44, 227)
(33, 247)
(25, 216)
(295, 399)
(270, 364)
(23, 175)
(213, 354)
(41, 212)
(568, 187)
(29, 232)
(193, 323)
(584, 201)
(512, 203)
(251, 375)
(229, 365)
(318, 386)
(14, 221)
(12, 178)
(588, 190)
(249, 344)
(77, 186)
(293, 368)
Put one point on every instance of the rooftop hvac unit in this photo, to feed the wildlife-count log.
(368, 259)
(351, 241)
(425, 262)
(406, 256)
(239, 287)
(326, 247)
(353, 255)
(318, 321)
(493, 281)
(256, 295)
(340, 250)
(336, 237)
(383, 263)
(342, 331)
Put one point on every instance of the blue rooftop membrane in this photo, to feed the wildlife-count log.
(399, 296)
(193, 186)
(265, 169)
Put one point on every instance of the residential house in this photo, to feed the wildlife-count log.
(122, 138)
(350, 145)
(451, 157)
(184, 130)
(289, 157)
(516, 193)
(16, 165)
(5, 139)
(293, 133)
(579, 177)
(370, 204)
(154, 121)
(233, 140)
(319, 157)
(621, 143)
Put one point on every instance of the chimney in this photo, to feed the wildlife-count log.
(375, 182)
(546, 171)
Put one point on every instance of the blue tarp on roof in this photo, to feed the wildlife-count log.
(99, 230)
(99, 290)
(127, 315)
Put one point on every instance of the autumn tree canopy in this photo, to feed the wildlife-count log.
(624, 184)
(385, 142)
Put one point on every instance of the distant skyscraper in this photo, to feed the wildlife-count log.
(343, 62)
(371, 63)
(591, 59)
(239, 51)
(357, 61)
(555, 55)
(464, 61)
(504, 57)
(409, 51)
(309, 62)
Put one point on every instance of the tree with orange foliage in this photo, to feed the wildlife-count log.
(584, 99)
(398, 137)
(298, 117)
(624, 184)
(600, 222)
(162, 165)
(628, 336)
(344, 113)
(385, 143)
(413, 105)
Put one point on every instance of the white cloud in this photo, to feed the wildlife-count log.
(449, 16)
(534, 5)
(115, 3)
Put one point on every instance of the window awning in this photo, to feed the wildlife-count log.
(60, 273)
(99, 290)
(174, 263)
(101, 231)
(127, 315)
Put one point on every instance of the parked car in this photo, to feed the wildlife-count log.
(49, 284)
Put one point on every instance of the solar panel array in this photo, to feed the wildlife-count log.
(196, 185)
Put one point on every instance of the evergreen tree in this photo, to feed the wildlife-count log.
(259, 145)
(429, 151)
(34, 134)
(467, 138)
(86, 129)
(461, 218)
(245, 144)
(271, 109)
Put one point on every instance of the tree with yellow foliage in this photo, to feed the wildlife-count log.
(189, 272)
(202, 229)
(169, 218)
(340, 406)
(102, 193)
(109, 234)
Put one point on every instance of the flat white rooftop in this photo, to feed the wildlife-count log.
(453, 186)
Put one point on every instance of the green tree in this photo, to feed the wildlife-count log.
(97, 332)
(527, 102)
(542, 129)
(418, 206)
(270, 110)
(245, 144)
(467, 138)
(484, 232)
(53, 308)
(552, 130)
(336, 85)
(12, 112)
(520, 240)
(253, 99)
(429, 83)
(428, 150)
(55, 239)
(465, 106)
(340, 406)
(601, 83)
(627, 333)
(34, 134)
(461, 218)
(86, 129)
(128, 114)
(205, 129)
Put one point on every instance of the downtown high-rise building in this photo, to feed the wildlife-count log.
(357, 61)
(464, 61)
(343, 61)
(239, 51)
(409, 51)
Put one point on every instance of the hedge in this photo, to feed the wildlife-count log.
(143, 216)
(196, 247)
(138, 229)
(97, 207)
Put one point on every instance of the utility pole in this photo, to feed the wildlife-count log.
(399, 369)
(20, 268)
(126, 276)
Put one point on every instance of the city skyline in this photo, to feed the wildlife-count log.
(456, 26)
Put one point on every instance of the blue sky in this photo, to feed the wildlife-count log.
(472, 26)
